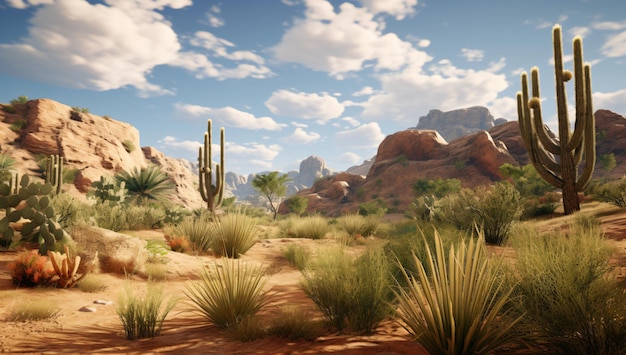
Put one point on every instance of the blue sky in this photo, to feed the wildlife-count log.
(293, 78)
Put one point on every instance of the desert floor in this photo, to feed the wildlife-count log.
(76, 332)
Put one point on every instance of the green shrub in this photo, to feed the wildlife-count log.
(80, 109)
(156, 271)
(437, 188)
(33, 311)
(377, 207)
(313, 227)
(566, 295)
(20, 100)
(196, 230)
(297, 205)
(353, 294)
(9, 109)
(68, 210)
(297, 255)
(461, 308)
(491, 209)
(293, 323)
(233, 234)
(129, 146)
(613, 192)
(18, 125)
(229, 292)
(142, 316)
(109, 216)
(140, 217)
(157, 251)
(526, 180)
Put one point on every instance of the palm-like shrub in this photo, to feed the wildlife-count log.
(149, 183)
(143, 316)
(565, 293)
(233, 234)
(460, 309)
(353, 294)
(196, 229)
(7, 163)
(228, 293)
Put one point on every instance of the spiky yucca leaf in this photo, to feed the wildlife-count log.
(460, 309)
(228, 293)
(150, 183)
(233, 234)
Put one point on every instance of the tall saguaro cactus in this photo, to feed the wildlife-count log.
(558, 160)
(211, 194)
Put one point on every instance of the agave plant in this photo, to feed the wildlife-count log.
(149, 183)
(461, 309)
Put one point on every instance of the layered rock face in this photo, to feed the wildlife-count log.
(91, 144)
(457, 123)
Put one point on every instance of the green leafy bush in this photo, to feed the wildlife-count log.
(565, 293)
(353, 294)
(437, 188)
(613, 192)
(297, 205)
(491, 209)
(108, 216)
(229, 292)
(461, 309)
(140, 217)
(142, 315)
(9, 108)
(7, 164)
(18, 125)
(20, 100)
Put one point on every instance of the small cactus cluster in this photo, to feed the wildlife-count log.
(66, 268)
(29, 202)
(108, 189)
(54, 172)
(212, 194)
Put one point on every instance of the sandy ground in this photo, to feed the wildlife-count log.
(101, 332)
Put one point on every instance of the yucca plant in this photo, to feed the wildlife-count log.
(229, 292)
(143, 316)
(150, 183)
(461, 308)
(233, 234)
(196, 229)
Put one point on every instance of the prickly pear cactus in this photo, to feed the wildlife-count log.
(28, 202)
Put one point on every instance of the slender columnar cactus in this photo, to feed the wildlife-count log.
(54, 172)
(211, 194)
(557, 160)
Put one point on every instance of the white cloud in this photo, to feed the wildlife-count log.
(615, 45)
(22, 4)
(350, 158)
(186, 145)
(472, 55)
(423, 43)
(398, 8)
(614, 101)
(409, 94)
(214, 20)
(259, 155)
(339, 43)
(304, 105)
(228, 116)
(609, 25)
(368, 135)
(300, 136)
(351, 121)
(365, 91)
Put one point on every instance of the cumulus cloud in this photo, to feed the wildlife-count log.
(339, 43)
(110, 45)
(615, 45)
(472, 55)
(398, 8)
(350, 158)
(614, 101)
(409, 94)
(185, 145)
(228, 116)
(304, 105)
(368, 135)
(300, 136)
(365, 91)
(251, 156)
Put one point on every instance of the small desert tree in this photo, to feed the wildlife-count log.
(272, 186)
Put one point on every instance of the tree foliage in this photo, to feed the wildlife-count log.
(273, 187)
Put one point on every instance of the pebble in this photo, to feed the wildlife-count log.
(87, 309)
(104, 302)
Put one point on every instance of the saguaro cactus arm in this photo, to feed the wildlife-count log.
(557, 160)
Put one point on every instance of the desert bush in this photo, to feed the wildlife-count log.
(109, 216)
(229, 292)
(293, 323)
(438, 188)
(233, 234)
(526, 180)
(247, 330)
(67, 210)
(7, 164)
(461, 308)
(92, 283)
(565, 295)
(29, 269)
(376, 207)
(156, 271)
(492, 209)
(297, 205)
(145, 184)
(22, 99)
(356, 224)
(142, 316)
(129, 146)
(9, 108)
(178, 244)
(353, 294)
(613, 192)
(297, 255)
(140, 217)
(18, 125)
(157, 251)
(313, 227)
(196, 230)
(33, 311)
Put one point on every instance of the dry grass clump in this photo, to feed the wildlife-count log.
(358, 225)
(33, 310)
(92, 283)
(197, 230)
(294, 323)
(142, 316)
(233, 234)
(297, 255)
(313, 227)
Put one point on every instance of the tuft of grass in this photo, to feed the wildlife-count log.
(297, 255)
(92, 283)
(233, 234)
(461, 309)
(248, 329)
(197, 230)
(293, 323)
(156, 271)
(142, 316)
(33, 311)
(229, 292)
(358, 225)
(353, 293)
(313, 227)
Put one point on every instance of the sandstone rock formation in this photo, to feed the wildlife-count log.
(91, 144)
(457, 123)
(610, 139)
